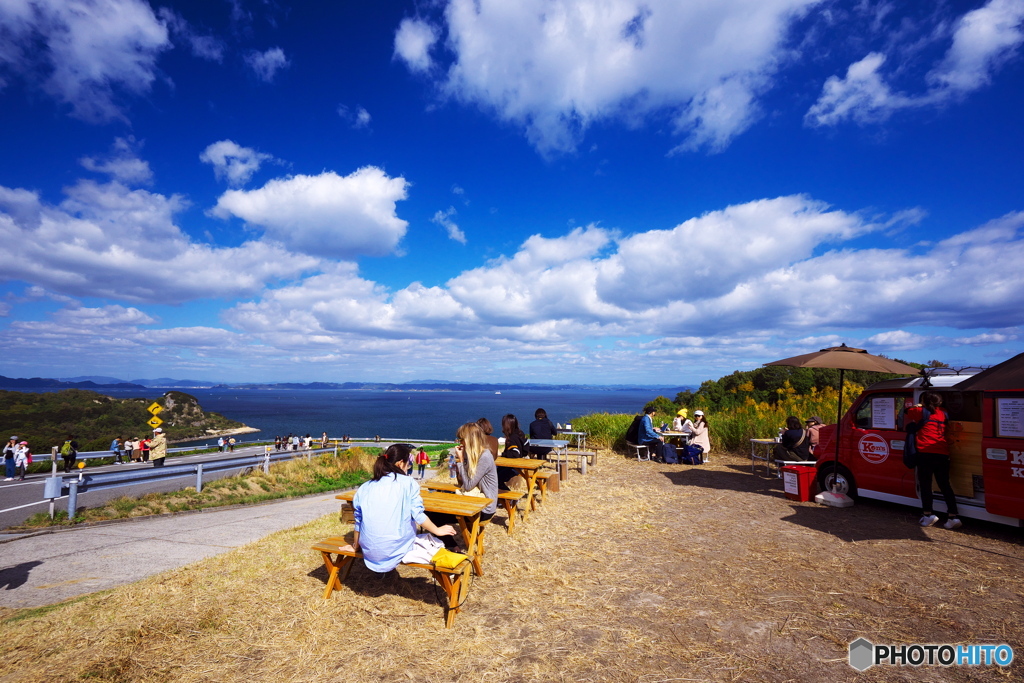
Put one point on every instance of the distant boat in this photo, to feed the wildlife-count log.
(497, 393)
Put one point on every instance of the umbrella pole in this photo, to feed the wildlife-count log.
(839, 428)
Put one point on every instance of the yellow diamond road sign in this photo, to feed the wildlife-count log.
(155, 422)
(155, 408)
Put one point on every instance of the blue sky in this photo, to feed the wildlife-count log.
(598, 191)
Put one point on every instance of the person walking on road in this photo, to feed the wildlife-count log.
(69, 452)
(10, 450)
(220, 444)
(231, 445)
(116, 450)
(22, 458)
(158, 448)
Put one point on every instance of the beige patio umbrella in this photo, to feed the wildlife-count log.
(844, 358)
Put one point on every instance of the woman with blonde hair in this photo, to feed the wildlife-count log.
(475, 470)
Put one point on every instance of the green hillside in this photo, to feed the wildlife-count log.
(46, 419)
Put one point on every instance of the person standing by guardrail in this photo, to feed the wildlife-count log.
(158, 448)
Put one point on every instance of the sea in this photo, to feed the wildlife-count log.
(396, 415)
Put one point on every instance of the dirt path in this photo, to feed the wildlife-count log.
(638, 572)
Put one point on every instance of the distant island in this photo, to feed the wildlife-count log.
(47, 419)
(99, 382)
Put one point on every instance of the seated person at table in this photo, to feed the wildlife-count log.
(813, 425)
(541, 428)
(387, 510)
(515, 447)
(681, 423)
(796, 442)
(475, 470)
(492, 441)
(654, 441)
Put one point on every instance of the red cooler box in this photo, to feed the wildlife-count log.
(798, 480)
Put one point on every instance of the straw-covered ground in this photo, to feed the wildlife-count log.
(637, 572)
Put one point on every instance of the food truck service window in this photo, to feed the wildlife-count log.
(881, 411)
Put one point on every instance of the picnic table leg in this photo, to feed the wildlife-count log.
(339, 570)
(531, 487)
(470, 527)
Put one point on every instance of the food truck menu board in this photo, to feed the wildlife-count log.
(1010, 417)
(883, 413)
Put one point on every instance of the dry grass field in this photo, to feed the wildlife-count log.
(637, 572)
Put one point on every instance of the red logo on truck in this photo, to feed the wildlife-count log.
(873, 448)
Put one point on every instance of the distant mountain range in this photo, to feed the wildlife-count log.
(44, 383)
(102, 382)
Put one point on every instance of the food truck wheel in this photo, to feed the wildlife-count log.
(843, 477)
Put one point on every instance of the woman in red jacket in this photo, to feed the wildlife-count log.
(933, 457)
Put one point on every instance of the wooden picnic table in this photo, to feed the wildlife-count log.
(509, 500)
(466, 509)
(527, 469)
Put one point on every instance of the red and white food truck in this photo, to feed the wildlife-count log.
(985, 434)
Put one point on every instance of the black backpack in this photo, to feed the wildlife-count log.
(633, 433)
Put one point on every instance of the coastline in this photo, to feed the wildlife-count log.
(212, 433)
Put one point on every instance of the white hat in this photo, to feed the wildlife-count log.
(698, 412)
(158, 431)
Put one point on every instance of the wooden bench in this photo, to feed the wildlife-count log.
(542, 483)
(509, 500)
(589, 456)
(454, 582)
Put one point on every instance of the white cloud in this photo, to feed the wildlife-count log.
(206, 47)
(982, 41)
(232, 162)
(444, 219)
(413, 41)
(106, 240)
(92, 50)
(122, 164)
(359, 118)
(327, 215)
(898, 340)
(556, 66)
(266, 64)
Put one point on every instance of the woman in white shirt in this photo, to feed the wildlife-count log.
(387, 510)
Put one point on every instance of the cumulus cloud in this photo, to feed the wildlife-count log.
(746, 277)
(444, 219)
(266, 64)
(91, 50)
(122, 164)
(326, 214)
(982, 41)
(716, 291)
(413, 42)
(554, 67)
(232, 162)
(107, 240)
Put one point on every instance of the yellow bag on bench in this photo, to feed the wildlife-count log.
(446, 559)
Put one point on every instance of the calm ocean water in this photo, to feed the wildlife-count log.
(399, 414)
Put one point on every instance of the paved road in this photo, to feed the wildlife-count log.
(19, 500)
(48, 568)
